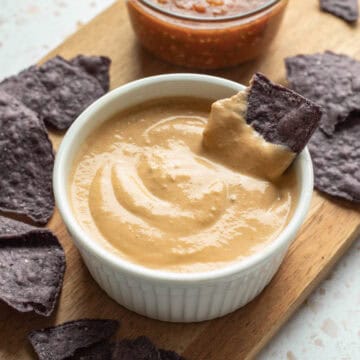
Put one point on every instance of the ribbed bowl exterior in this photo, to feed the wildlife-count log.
(188, 303)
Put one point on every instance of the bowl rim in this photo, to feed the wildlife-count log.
(83, 240)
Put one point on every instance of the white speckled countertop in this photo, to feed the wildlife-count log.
(327, 326)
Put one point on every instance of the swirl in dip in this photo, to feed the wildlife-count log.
(154, 188)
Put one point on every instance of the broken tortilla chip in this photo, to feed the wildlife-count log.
(336, 160)
(96, 66)
(32, 266)
(63, 341)
(27, 88)
(331, 80)
(140, 348)
(169, 355)
(72, 89)
(26, 162)
(347, 10)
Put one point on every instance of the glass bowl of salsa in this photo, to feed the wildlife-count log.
(206, 34)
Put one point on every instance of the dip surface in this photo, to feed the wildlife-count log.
(144, 186)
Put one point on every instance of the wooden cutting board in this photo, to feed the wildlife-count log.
(328, 231)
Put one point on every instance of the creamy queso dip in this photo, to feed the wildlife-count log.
(151, 188)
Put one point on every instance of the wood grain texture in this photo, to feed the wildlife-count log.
(327, 233)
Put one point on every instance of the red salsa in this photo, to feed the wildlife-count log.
(206, 34)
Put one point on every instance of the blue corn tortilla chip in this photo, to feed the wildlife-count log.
(347, 10)
(26, 162)
(27, 88)
(99, 351)
(280, 115)
(96, 66)
(331, 80)
(169, 355)
(140, 348)
(60, 90)
(336, 160)
(72, 89)
(89, 339)
(68, 340)
(32, 266)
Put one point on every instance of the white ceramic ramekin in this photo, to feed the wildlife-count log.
(159, 294)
